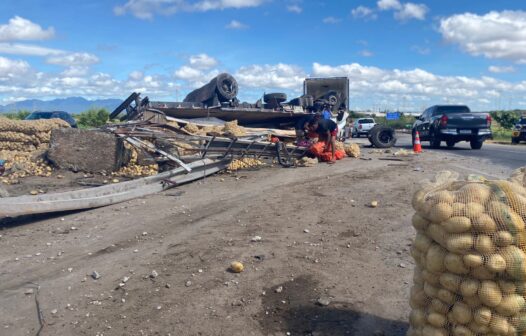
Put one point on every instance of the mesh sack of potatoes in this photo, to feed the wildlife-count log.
(352, 150)
(31, 127)
(470, 274)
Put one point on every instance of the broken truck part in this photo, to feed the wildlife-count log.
(108, 194)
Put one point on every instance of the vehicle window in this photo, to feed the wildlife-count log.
(366, 121)
(451, 110)
(39, 115)
(522, 121)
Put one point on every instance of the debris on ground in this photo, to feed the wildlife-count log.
(237, 267)
(307, 162)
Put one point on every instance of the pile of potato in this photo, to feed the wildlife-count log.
(27, 135)
(307, 162)
(470, 275)
(245, 163)
(133, 169)
(229, 128)
(352, 150)
(22, 164)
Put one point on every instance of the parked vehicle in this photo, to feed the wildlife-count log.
(51, 115)
(519, 131)
(452, 124)
(362, 126)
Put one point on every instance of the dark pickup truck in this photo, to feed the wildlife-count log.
(452, 124)
(519, 131)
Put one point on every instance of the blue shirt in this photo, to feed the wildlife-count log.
(326, 114)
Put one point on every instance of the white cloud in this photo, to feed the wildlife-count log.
(495, 35)
(366, 53)
(389, 4)
(295, 9)
(28, 50)
(234, 24)
(501, 69)
(10, 68)
(19, 28)
(362, 12)
(421, 50)
(331, 20)
(411, 11)
(147, 9)
(202, 61)
(271, 76)
(73, 59)
(404, 11)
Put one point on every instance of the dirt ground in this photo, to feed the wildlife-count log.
(327, 262)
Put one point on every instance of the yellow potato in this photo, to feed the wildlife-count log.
(482, 316)
(418, 297)
(473, 192)
(431, 278)
(457, 224)
(478, 329)
(419, 222)
(505, 217)
(507, 287)
(469, 287)
(460, 243)
(484, 224)
(442, 196)
(473, 301)
(498, 325)
(430, 290)
(454, 264)
(484, 244)
(446, 296)
(437, 233)
(461, 313)
(482, 273)
(422, 242)
(435, 259)
(432, 331)
(438, 306)
(436, 320)
(490, 294)
(440, 212)
(417, 318)
(473, 210)
(473, 260)
(450, 281)
(461, 330)
(503, 238)
(496, 263)
(458, 209)
(515, 262)
(511, 305)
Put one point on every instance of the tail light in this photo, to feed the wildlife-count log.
(443, 120)
(488, 120)
(360, 126)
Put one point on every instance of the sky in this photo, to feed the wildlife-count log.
(398, 55)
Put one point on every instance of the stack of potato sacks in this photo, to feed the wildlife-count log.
(470, 277)
(22, 143)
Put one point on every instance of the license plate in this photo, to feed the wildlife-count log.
(464, 131)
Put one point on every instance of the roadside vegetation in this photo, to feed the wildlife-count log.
(90, 118)
(503, 122)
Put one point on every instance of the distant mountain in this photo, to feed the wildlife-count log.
(70, 104)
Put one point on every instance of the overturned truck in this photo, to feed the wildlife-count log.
(219, 99)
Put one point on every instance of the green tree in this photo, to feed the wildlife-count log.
(92, 118)
(19, 115)
(506, 119)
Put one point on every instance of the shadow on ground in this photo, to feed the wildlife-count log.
(293, 307)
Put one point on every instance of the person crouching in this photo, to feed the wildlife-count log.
(327, 131)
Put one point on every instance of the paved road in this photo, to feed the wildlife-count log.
(511, 156)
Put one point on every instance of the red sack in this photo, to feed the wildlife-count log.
(317, 149)
(327, 156)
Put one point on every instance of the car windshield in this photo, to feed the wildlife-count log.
(522, 121)
(39, 115)
(366, 121)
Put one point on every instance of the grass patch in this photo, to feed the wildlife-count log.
(501, 134)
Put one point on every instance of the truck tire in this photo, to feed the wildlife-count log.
(435, 141)
(275, 97)
(476, 144)
(515, 141)
(381, 136)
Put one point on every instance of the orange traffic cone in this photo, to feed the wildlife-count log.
(417, 147)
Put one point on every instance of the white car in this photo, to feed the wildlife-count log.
(362, 126)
